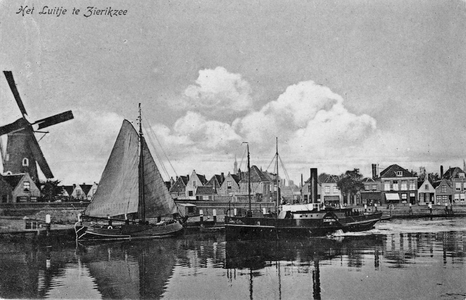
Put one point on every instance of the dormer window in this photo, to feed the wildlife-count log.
(461, 175)
(25, 162)
(399, 173)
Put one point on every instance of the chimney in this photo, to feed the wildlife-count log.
(313, 185)
(441, 171)
(223, 176)
(374, 171)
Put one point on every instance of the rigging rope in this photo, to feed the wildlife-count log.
(150, 130)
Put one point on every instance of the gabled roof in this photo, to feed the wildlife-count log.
(205, 190)
(236, 178)
(452, 173)
(435, 184)
(202, 179)
(180, 184)
(13, 180)
(329, 179)
(368, 180)
(68, 189)
(439, 182)
(256, 175)
(391, 172)
(86, 188)
(218, 179)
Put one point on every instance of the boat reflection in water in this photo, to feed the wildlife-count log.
(122, 271)
(303, 256)
(420, 259)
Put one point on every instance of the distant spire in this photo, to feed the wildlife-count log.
(235, 166)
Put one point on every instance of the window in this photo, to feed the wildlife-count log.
(335, 189)
(374, 187)
(444, 188)
(458, 186)
(426, 187)
(194, 183)
(229, 185)
(462, 197)
(26, 186)
(395, 185)
(25, 162)
(412, 185)
(404, 185)
(5, 199)
(327, 190)
(399, 173)
(404, 196)
(387, 185)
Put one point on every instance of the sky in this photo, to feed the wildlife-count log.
(341, 84)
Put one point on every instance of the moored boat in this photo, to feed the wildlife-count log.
(132, 200)
(298, 220)
(304, 220)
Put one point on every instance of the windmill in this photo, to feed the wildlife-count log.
(22, 149)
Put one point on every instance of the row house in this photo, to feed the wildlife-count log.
(427, 190)
(230, 185)
(216, 181)
(261, 184)
(456, 177)
(178, 188)
(194, 181)
(79, 192)
(329, 191)
(371, 194)
(398, 185)
(18, 188)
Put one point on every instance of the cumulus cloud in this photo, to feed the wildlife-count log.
(218, 91)
(308, 116)
(310, 120)
(194, 131)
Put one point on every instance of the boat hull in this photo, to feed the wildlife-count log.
(361, 223)
(127, 232)
(249, 228)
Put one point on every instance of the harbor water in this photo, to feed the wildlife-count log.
(399, 259)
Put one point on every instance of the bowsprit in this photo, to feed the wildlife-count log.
(94, 11)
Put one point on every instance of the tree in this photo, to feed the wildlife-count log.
(51, 190)
(350, 183)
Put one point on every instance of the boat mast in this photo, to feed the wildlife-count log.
(249, 177)
(141, 171)
(276, 179)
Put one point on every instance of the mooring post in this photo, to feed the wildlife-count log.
(201, 216)
(47, 223)
(214, 214)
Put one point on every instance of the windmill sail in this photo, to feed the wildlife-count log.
(37, 153)
(118, 191)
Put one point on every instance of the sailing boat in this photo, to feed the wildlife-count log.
(131, 187)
